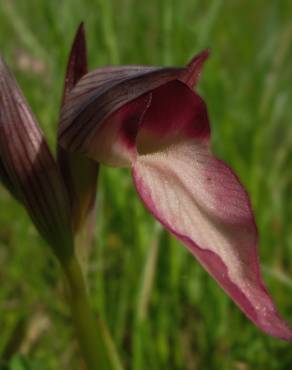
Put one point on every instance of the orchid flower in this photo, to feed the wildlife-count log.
(58, 194)
(151, 120)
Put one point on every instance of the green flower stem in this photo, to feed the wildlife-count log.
(90, 331)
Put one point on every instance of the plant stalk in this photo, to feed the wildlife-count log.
(89, 330)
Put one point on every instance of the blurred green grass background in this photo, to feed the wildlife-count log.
(163, 310)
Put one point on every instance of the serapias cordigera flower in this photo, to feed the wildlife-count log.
(57, 193)
(152, 120)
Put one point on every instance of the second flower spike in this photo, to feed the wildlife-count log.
(28, 168)
(59, 195)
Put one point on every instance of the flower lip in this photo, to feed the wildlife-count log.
(201, 201)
